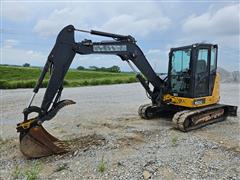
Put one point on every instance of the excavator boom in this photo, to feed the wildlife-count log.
(63, 53)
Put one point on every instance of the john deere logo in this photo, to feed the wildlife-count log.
(109, 48)
(199, 101)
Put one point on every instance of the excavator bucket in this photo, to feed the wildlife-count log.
(37, 142)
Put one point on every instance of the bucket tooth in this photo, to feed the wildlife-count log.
(37, 142)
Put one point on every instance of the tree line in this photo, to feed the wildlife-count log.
(115, 69)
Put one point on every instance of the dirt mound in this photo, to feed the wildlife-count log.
(86, 142)
(137, 138)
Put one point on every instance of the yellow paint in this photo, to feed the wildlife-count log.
(189, 102)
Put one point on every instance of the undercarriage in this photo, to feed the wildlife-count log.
(189, 119)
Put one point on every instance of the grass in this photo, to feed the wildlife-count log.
(61, 167)
(101, 166)
(174, 140)
(12, 77)
(16, 173)
(2, 141)
(31, 173)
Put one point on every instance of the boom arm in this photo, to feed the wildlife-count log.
(64, 50)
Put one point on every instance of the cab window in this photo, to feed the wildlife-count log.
(180, 61)
(180, 72)
(213, 64)
(202, 61)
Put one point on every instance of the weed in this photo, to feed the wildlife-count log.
(61, 167)
(94, 82)
(45, 83)
(118, 81)
(33, 172)
(62, 131)
(106, 81)
(174, 140)
(101, 166)
(3, 84)
(65, 82)
(132, 79)
(85, 83)
(119, 164)
(3, 141)
(16, 173)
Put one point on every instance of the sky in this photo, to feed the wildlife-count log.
(29, 29)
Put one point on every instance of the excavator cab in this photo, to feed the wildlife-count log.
(192, 70)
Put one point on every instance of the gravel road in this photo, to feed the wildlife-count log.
(103, 129)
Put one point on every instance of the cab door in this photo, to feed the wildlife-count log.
(213, 68)
(202, 71)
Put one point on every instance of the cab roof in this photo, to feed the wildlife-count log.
(194, 45)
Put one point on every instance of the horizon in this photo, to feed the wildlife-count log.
(28, 30)
(88, 68)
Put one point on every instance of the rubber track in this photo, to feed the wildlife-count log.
(180, 117)
(142, 110)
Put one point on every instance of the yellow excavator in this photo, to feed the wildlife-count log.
(190, 91)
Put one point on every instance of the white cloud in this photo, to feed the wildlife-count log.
(115, 17)
(57, 20)
(158, 59)
(11, 55)
(126, 24)
(16, 12)
(224, 21)
(218, 27)
(9, 43)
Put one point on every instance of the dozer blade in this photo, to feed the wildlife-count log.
(37, 142)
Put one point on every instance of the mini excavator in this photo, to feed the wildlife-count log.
(190, 91)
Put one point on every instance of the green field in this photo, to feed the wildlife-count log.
(12, 77)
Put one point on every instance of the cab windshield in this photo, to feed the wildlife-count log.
(180, 61)
(180, 72)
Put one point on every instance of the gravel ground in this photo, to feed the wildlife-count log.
(105, 133)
